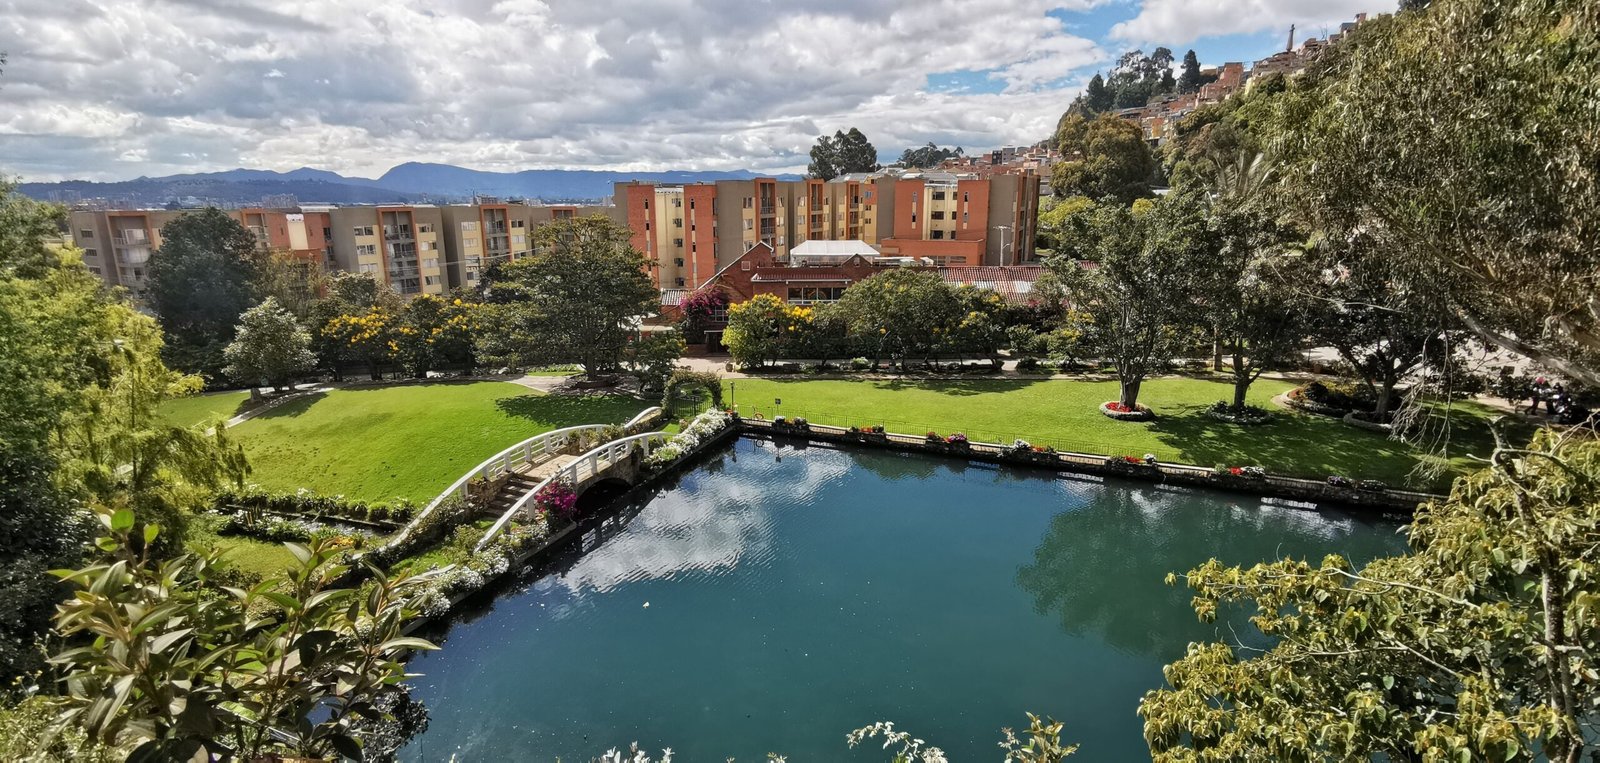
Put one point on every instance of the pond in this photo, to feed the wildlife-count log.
(777, 597)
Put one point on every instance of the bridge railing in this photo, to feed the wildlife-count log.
(583, 468)
(535, 448)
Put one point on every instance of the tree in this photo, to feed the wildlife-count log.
(201, 280)
(1477, 644)
(431, 330)
(269, 345)
(652, 357)
(901, 314)
(577, 300)
(1096, 97)
(297, 282)
(334, 333)
(842, 154)
(174, 664)
(1104, 156)
(1486, 197)
(761, 329)
(366, 338)
(927, 156)
(1138, 293)
(1190, 80)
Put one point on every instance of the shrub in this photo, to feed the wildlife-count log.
(860, 364)
(1028, 364)
(557, 498)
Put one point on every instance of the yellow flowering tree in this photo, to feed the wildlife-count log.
(763, 329)
(366, 338)
(432, 330)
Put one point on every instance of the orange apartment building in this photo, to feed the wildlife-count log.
(117, 244)
(690, 232)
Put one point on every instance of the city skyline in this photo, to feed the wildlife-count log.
(116, 90)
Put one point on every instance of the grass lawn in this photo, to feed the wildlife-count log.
(406, 441)
(1066, 414)
(194, 409)
(258, 558)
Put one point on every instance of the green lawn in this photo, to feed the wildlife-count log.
(1066, 414)
(406, 441)
(255, 557)
(194, 409)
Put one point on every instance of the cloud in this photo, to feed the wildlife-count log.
(1178, 22)
(99, 90)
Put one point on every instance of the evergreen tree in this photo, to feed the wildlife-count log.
(1189, 80)
(202, 279)
(842, 154)
(1097, 97)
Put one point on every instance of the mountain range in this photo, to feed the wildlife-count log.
(406, 183)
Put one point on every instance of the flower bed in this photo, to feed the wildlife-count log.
(696, 433)
(557, 498)
(1247, 416)
(445, 587)
(304, 503)
(1120, 412)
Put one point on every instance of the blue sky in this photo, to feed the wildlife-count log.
(115, 89)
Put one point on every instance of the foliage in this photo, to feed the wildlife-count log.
(575, 301)
(29, 733)
(351, 323)
(902, 314)
(557, 498)
(652, 357)
(698, 309)
(201, 281)
(764, 329)
(1477, 644)
(431, 330)
(923, 157)
(1461, 137)
(709, 381)
(255, 501)
(296, 282)
(1043, 743)
(1138, 293)
(1103, 156)
(270, 345)
(842, 154)
(177, 668)
(1191, 79)
(1133, 82)
(475, 569)
(704, 427)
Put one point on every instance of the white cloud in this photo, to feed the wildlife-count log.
(1178, 22)
(358, 86)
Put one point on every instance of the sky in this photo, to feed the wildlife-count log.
(117, 89)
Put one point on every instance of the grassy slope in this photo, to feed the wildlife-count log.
(194, 409)
(406, 441)
(1065, 414)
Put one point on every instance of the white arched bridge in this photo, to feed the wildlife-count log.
(504, 485)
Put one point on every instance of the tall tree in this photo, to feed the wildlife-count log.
(1479, 644)
(202, 279)
(842, 154)
(1096, 97)
(349, 296)
(1103, 156)
(1487, 197)
(269, 345)
(297, 282)
(927, 156)
(1139, 291)
(576, 301)
(901, 314)
(1189, 81)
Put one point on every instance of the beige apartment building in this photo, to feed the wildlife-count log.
(117, 244)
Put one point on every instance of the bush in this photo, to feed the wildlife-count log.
(255, 501)
(860, 364)
(1028, 364)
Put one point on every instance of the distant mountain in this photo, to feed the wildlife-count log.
(409, 182)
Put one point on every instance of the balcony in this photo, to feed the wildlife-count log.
(768, 209)
(130, 238)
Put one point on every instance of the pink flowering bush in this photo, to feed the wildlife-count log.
(558, 499)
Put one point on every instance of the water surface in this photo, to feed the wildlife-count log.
(777, 597)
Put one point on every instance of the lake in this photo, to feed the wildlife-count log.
(776, 597)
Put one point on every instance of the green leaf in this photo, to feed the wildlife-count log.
(122, 520)
(151, 532)
(408, 642)
(300, 552)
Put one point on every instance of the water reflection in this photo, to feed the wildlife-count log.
(1100, 568)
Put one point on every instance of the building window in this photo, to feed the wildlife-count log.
(812, 295)
(86, 233)
(938, 195)
(749, 225)
(938, 214)
(677, 202)
(366, 250)
(938, 234)
(425, 245)
(966, 196)
(431, 263)
(90, 253)
(518, 224)
(913, 218)
(327, 233)
(678, 261)
(362, 230)
(469, 227)
(367, 267)
(749, 202)
(677, 242)
(964, 216)
(431, 280)
(472, 243)
(519, 239)
(677, 222)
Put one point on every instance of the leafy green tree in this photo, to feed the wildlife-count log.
(296, 282)
(842, 154)
(333, 330)
(1486, 197)
(651, 358)
(576, 301)
(1096, 96)
(901, 314)
(269, 344)
(201, 280)
(1190, 80)
(927, 156)
(1479, 644)
(759, 329)
(176, 665)
(432, 330)
(1137, 296)
(1104, 156)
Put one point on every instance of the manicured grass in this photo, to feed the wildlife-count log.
(194, 409)
(1065, 414)
(407, 441)
(254, 557)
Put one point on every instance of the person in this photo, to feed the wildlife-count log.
(1538, 390)
(1555, 400)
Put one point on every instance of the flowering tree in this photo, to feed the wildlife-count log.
(367, 337)
(432, 330)
(763, 329)
(698, 309)
(269, 344)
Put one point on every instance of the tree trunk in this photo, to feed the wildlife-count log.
(1385, 394)
(1216, 350)
(372, 370)
(1241, 381)
(1130, 393)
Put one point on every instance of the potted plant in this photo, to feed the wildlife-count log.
(958, 443)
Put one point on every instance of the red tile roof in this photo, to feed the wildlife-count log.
(1013, 282)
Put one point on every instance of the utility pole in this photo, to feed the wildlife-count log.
(1290, 49)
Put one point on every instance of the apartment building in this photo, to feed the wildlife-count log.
(690, 232)
(117, 244)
